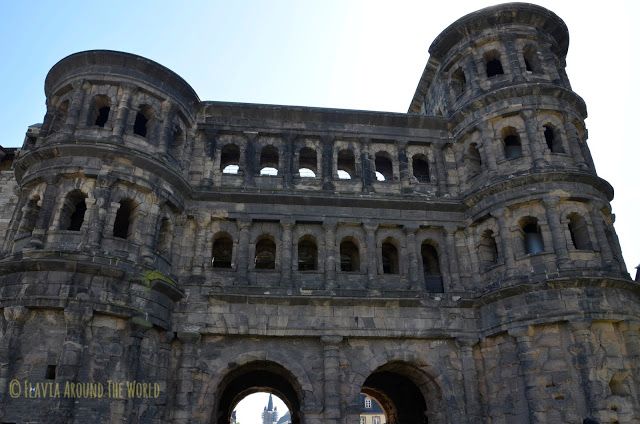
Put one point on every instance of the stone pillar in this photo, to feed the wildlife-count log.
(584, 361)
(200, 251)
(138, 327)
(488, 147)
(403, 166)
(506, 239)
(208, 140)
(288, 161)
(74, 107)
(287, 254)
(372, 269)
(452, 258)
(412, 256)
(533, 136)
(526, 358)
(470, 376)
(188, 364)
(513, 58)
(250, 160)
(332, 392)
(557, 232)
(15, 317)
(48, 202)
(601, 237)
(631, 334)
(368, 171)
(97, 212)
(77, 318)
(327, 163)
(441, 170)
(573, 140)
(330, 253)
(122, 113)
(166, 126)
(243, 260)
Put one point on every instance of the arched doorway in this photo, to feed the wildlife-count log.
(254, 377)
(406, 394)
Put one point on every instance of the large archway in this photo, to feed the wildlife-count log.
(407, 394)
(257, 376)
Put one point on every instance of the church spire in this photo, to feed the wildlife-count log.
(270, 404)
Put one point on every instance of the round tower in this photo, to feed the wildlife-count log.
(92, 245)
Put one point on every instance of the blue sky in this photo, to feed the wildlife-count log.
(343, 54)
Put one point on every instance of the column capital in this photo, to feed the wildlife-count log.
(370, 226)
(331, 340)
(519, 332)
(16, 313)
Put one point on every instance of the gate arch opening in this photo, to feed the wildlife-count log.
(254, 377)
(406, 394)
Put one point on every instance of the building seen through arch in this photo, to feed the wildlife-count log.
(457, 263)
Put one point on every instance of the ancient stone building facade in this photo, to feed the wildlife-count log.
(458, 263)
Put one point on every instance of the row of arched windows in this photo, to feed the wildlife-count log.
(492, 61)
(308, 163)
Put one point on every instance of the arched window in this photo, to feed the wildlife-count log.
(269, 161)
(532, 236)
(141, 124)
(531, 60)
(73, 210)
(384, 167)
(431, 268)
(349, 256)
(30, 214)
(230, 159)
(390, 259)
(222, 251)
(100, 109)
(512, 144)
(165, 236)
(553, 141)
(488, 249)
(307, 163)
(473, 160)
(579, 232)
(124, 219)
(265, 254)
(458, 82)
(493, 63)
(420, 168)
(307, 254)
(346, 164)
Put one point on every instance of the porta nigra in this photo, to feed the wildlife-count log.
(458, 262)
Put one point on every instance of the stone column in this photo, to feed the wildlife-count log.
(288, 160)
(631, 334)
(188, 364)
(452, 257)
(470, 376)
(403, 166)
(74, 107)
(200, 251)
(557, 232)
(15, 317)
(412, 256)
(506, 240)
(122, 113)
(488, 147)
(330, 253)
(598, 225)
(48, 202)
(533, 136)
(166, 126)
(286, 261)
(529, 372)
(574, 145)
(138, 326)
(332, 392)
(208, 140)
(368, 171)
(513, 58)
(584, 361)
(372, 251)
(441, 170)
(99, 211)
(250, 160)
(243, 250)
(77, 319)
(327, 163)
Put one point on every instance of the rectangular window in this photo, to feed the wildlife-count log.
(376, 420)
(367, 403)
